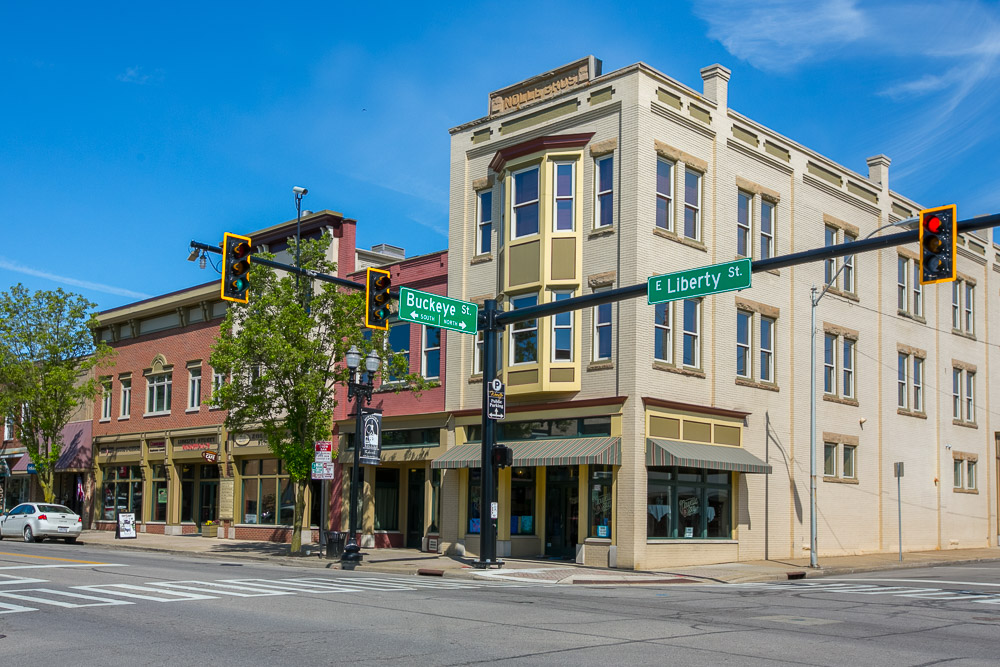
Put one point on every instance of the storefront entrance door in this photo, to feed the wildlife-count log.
(414, 508)
(562, 506)
(208, 503)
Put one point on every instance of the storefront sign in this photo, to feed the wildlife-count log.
(324, 452)
(126, 526)
(226, 487)
(602, 531)
(31, 469)
(194, 446)
(255, 439)
(210, 457)
(157, 447)
(108, 450)
(371, 442)
(323, 470)
(4, 469)
(544, 86)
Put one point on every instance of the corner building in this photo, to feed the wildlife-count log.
(650, 436)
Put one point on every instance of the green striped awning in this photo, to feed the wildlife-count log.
(561, 452)
(661, 452)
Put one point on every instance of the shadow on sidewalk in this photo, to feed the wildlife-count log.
(260, 548)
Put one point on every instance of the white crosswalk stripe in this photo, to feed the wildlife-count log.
(147, 592)
(22, 594)
(932, 594)
(222, 588)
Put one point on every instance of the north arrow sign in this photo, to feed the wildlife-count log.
(437, 311)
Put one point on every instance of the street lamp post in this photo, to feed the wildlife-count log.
(359, 389)
(300, 192)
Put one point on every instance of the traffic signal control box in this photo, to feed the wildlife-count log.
(236, 251)
(938, 242)
(377, 286)
(502, 456)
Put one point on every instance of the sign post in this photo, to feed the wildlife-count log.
(704, 280)
(897, 469)
(437, 311)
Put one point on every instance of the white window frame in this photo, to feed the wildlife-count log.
(425, 349)
(829, 265)
(666, 197)
(956, 306)
(694, 335)
(194, 388)
(956, 394)
(970, 397)
(918, 290)
(523, 328)
(668, 327)
(744, 348)
(536, 202)
(601, 197)
(481, 222)
(153, 383)
(560, 295)
(125, 398)
(218, 379)
(969, 320)
(970, 474)
(478, 350)
(902, 381)
(106, 387)
(844, 449)
(768, 351)
(694, 207)
(830, 366)
(918, 384)
(599, 325)
(8, 428)
(767, 238)
(744, 230)
(958, 473)
(848, 365)
(902, 283)
(835, 458)
(556, 197)
(848, 273)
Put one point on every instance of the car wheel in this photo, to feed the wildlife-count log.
(30, 536)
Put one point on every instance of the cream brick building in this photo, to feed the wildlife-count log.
(655, 436)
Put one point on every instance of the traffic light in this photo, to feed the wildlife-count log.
(377, 299)
(938, 240)
(236, 251)
(502, 456)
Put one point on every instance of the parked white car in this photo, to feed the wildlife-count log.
(35, 521)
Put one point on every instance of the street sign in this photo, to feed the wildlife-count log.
(496, 404)
(324, 451)
(897, 469)
(437, 311)
(702, 281)
(323, 470)
(31, 469)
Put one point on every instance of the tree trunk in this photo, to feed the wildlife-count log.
(46, 480)
(300, 510)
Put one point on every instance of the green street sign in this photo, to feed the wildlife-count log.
(702, 281)
(437, 311)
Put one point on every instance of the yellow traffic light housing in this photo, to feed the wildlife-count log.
(236, 252)
(938, 244)
(377, 286)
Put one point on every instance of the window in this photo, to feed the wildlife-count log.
(918, 384)
(970, 476)
(562, 330)
(902, 288)
(743, 320)
(522, 501)
(909, 294)
(956, 305)
(847, 470)
(525, 202)
(565, 190)
(829, 364)
(766, 349)
(918, 290)
(970, 320)
(963, 302)
(834, 236)
(692, 204)
(121, 491)
(848, 273)
(745, 343)
(386, 498)
(158, 507)
(831, 343)
(524, 335)
(744, 206)
(830, 265)
(839, 460)
(902, 388)
(963, 391)
(909, 382)
(688, 503)
(194, 387)
(604, 211)
(663, 343)
(602, 330)
(544, 429)
(829, 459)
(218, 379)
(692, 333)
(158, 389)
(8, 428)
(484, 223)
(432, 352)
(105, 399)
(664, 194)
(601, 478)
(478, 350)
(848, 361)
(399, 343)
(766, 229)
(125, 404)
(964, 472)
(268, 496)
(957, 468)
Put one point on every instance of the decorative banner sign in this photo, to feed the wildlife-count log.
(4, 470)
(496, 401)
(211, 457)
(31, 469)
(702, 281)
(126, 526)
(371, 441)
(323, 470)
(324, 452)
(437, 311)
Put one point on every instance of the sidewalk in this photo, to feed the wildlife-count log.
(412, 562)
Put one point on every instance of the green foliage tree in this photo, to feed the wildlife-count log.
(283, 355)
(47, 352)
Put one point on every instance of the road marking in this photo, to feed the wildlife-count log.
(61, 565)
(16, 580)
(925, 581)
(179, 595)
(6, 608)
(68, 560)
(222, 588)
(100, 602)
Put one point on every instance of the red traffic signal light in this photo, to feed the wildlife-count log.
(236, 252)
(938, 240)
(377, 286)
(502, 456)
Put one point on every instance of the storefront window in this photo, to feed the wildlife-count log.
(522, 501)
(545, 429)
(316, 494)
(122, 491)
(387, 498)
(263, 479)
(187, 492)
(475, 499)
(158, 509)
(600, 501)
(688, 503)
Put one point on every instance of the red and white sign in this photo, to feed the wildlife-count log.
(324, 451)
(211, 457)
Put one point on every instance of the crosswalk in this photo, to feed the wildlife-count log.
(15, 599)
(856, 587)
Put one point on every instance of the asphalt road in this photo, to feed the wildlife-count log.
(79, 605)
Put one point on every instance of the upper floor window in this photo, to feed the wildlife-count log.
(963, 390)
(839, 460)
(835, 236)
(766, 229)
(562, 330)
(692, 333)
(832, 343)
(604, 210)
(399, 343)
(664, 194)
(478, 351)
(432, 352)
(125, 406)
(565, 192)
(602, 330)
(106, 398)
(745, 343)
(663, 344)
(692, 204)
(964, 467)
(909, 382)
(963, 314)
(909, 293)
(8, 428)
(194, 387)
(524, 335)
(158, 391)
(484, 222)
(525, 202)
(744, 223)
(218, 379)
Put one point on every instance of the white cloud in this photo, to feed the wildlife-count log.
(135, 75)
(85, 284)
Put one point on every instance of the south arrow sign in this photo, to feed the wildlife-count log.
(437, 311)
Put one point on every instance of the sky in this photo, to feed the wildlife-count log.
(129, 129)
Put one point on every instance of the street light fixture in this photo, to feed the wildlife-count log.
(300, 192)
(360, 389)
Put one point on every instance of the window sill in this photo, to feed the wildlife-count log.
(124, 418)
(476, 379)
(964, 334)
(971, 492)
(843, 401)
(850, 296)
(481, 259)
(190, 410)
(670, 368)
(601, 231)
(841, 480)
(910, 316)
(597, 540)
(600, 365)
(156, 414)
(105, 420)
(911, 413)
(964, 424)
(683, 240)
(766, 386)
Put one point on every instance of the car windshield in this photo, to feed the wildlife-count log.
(55, 508)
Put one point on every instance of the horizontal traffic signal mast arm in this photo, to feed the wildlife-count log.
(792, 259)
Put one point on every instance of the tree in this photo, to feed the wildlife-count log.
(47, 352)
(282, 352)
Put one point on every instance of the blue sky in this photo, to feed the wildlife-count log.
(130, 129)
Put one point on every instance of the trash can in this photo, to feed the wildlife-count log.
(335, 544)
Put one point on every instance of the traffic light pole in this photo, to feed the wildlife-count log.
(488, 529)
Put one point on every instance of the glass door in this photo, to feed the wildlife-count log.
(562, 511)
(414, 508)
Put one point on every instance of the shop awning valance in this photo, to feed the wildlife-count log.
(661, 452)
(561, 452)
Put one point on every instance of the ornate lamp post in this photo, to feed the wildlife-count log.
(360, 389)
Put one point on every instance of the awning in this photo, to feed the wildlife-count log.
(562, 452)
(77, 452)
(661, 452)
